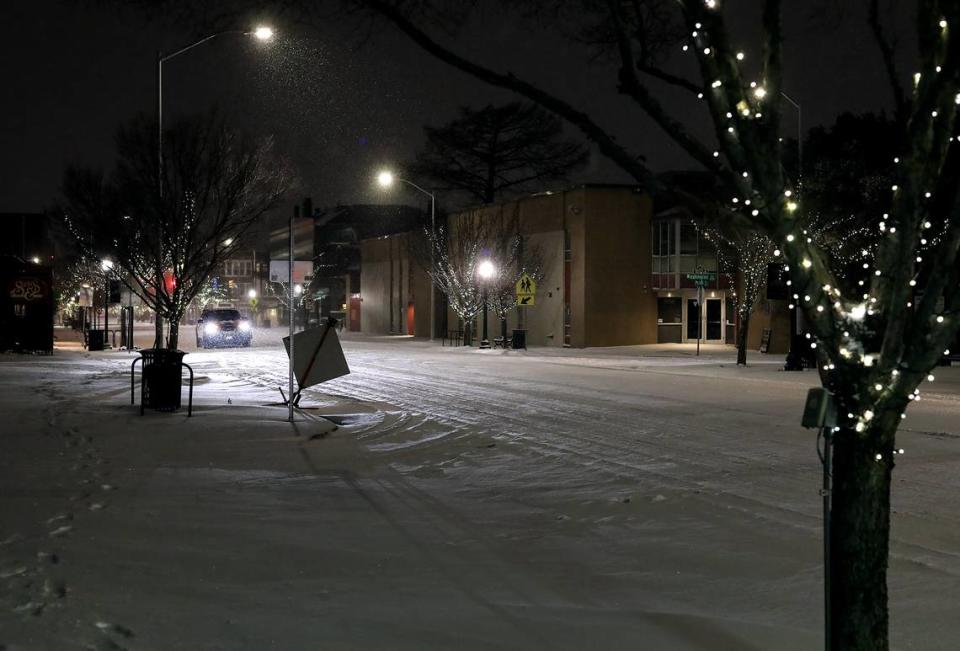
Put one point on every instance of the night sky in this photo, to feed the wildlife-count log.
(74, 71)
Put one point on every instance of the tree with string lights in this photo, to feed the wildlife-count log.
(459, 246)
(877, 338)
(166, 245)
(513, 255)
(745, 255)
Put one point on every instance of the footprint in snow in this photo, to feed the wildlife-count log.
(19, 570)
(110, 631)
(29, 608)
(54, 589)
(61, 531)
(97, 506)
(60, 518)
(119, 629)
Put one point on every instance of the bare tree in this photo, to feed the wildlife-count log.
(168, 244)
(496, 150)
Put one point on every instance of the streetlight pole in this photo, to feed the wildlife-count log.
(799, 145)
(261, 33)
(485, 270)
(106, 265)
(385, 179)
(793, 362)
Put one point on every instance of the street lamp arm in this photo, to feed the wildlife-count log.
(414, 185)
(789, 99)
(167, 57)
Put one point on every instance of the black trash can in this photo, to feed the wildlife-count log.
(161, 378)
(95, 339)
(519, 339)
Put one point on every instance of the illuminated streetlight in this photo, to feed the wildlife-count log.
(261, 33)
(297, 290)
(35, 260)
(385, 179)
(486, 270)
(252, 294)
(106, 265)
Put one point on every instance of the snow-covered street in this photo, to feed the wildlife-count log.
(446, 498)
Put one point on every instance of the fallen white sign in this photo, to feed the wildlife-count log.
(317, 355)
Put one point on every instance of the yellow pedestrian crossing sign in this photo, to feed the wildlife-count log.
(526, 290)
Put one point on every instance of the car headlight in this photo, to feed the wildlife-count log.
(211, 328)
(245, 326)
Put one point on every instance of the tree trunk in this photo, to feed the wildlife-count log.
(173, 333)
(742, 340)
(860, 537)
(158, 330)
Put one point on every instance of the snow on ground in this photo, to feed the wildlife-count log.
(442, 498)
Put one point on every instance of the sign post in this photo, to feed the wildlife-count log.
(526, 291)
(701, 278)
(290, 319)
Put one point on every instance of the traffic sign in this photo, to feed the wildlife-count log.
(526, 290)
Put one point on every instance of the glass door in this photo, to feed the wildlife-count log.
(693, 320)
(714, 320)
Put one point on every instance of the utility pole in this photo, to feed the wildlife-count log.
(290, 310)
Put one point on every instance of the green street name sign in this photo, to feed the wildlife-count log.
(702, 277)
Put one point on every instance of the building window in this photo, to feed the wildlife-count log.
(664, 246)
(688, 239)
(238, 268)
(679, 248)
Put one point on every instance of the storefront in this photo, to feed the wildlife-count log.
(681, 318)
(679, 249)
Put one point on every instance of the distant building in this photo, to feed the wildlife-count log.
(329, 240)
(615, 274)
(26, 305)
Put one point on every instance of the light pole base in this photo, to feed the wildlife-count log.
(484, 343)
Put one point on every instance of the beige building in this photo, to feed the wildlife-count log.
(613, 274)
(595, 290)
(394, 296)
